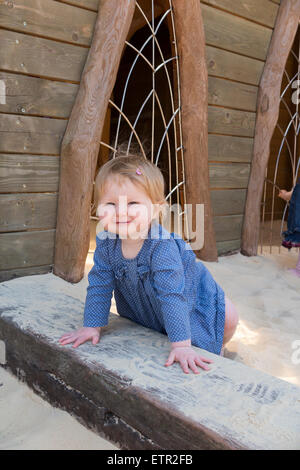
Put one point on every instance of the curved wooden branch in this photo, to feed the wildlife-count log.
(81, 141)
(194, 99)
(268, 102)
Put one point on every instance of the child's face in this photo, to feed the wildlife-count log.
(125, 209)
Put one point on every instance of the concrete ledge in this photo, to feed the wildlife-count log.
(120, 387)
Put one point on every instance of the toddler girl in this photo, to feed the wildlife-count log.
(156, 279)
(292, 234)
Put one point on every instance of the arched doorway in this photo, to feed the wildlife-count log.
(144, 111)
(268, 105)
(283, 166)
(186, 129)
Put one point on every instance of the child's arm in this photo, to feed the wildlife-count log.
(169, 284)
(101, 285)
(98, 299)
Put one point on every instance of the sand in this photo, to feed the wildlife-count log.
(267, 298)
(30, 423)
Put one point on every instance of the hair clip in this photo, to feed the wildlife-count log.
(138, 171)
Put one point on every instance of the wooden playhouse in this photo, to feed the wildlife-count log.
(210, 96)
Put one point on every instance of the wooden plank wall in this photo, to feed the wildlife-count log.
(44, 46)
(237, 39)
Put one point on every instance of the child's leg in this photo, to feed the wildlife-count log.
(296, 270)
(231, 321)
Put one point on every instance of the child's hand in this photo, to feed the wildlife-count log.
(81, 336)
(286, 195)
(187, 358)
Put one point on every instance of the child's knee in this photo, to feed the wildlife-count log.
(231, 317)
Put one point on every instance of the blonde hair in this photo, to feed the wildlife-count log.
(151, 179)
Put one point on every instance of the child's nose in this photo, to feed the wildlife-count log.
(121, 210)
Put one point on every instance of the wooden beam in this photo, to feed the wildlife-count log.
(233, 33)
(194, 99)
(267, 115)
(20, 173)
(32, 211)
(260, 11)
(31, 134)
(228, 227)
(80, 146)
(228, 148)
(228, 247)
(46, 58)
(229, 175)
(232, 122)
(21, 272)
(26, 95)
(54, 20)
(26, 249)
(226, 64)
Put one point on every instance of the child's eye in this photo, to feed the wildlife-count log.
(133, 202)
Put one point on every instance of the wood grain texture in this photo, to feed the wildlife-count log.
(226, 64)
(41, 57)
(228, 227)
(228, 201)
(27, 134)
(36, 96)
(260, 11)
(122, 380)
(80, 146)
(26, 249)
(50, 19)
(225, 92)
(89, 4)
(7, 275)
(229, 175)
(28, 173)
(267, 115)
(231, 121)
(194, 99)
(20, 212)
(229, 148)
(228, 247)
(235, 34)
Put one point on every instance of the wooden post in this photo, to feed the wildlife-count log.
(268, 102)
(81, 141)
(194, 99)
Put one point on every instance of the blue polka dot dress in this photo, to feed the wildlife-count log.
(163, 288)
